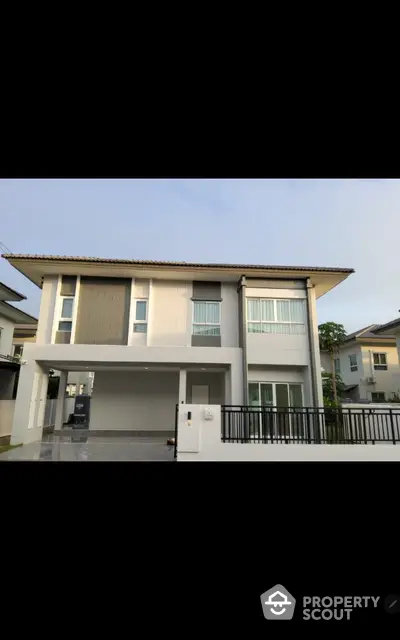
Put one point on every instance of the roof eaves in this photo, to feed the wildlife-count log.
(161, 263)
(12, 291)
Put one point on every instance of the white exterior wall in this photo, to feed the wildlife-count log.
(229, 315)
(201, 441)
(275, 349)
(351, 377)
(6, 417)
(47, 308)
(140, 401)
(6, 339)
(30, 403)
(171, 314)
(388, 381)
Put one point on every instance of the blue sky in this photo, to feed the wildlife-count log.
(345, 223)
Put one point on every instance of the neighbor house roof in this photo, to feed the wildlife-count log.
(15, 315)
(367, 332)
(393, 324)
(6, 293)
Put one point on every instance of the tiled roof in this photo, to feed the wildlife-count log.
(8, 289)
(389, 325)
(160, 263)
(371, 331)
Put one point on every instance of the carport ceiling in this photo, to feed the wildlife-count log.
(104, 366)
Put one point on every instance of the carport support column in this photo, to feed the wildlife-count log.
(60, 401)
(182, 386)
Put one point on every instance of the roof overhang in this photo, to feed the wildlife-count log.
(10, 295)
(383, 340)
(36, 267)
(15, 315)
(392, 327)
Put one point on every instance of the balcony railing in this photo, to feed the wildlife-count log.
(309, 425)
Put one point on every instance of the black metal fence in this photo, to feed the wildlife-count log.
(176, 432)
(309, 425)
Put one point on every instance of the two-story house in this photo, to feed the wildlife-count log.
(368, 365)
(161, 333)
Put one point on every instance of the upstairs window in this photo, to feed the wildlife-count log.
(353, 362)
(65, 321)
(206, 318)
(140, 325)
(337, 365)
(380, 362)
(265, 315)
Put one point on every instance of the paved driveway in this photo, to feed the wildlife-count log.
(79, 446)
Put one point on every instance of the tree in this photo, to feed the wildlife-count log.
(327, 387)
(331, 337)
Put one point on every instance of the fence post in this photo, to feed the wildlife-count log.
(392, 426)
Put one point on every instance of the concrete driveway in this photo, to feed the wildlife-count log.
(80, 446)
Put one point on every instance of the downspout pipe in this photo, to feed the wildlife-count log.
(241, 290)
(312, 346)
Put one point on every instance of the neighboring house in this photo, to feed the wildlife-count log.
(368, 365)
(391, 328)
(161, 333)
(10, 317)
(78, 382)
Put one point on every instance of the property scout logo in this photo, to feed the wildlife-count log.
(278, 604)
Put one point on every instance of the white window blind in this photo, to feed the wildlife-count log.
(276, 316)
(206, 319)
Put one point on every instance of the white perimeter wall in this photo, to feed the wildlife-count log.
(6, 417)
(139, 401)
(201, 441)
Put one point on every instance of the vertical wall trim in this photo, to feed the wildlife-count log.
(131, 313)
(56, 310)
(75, 311)
(312, 345)
(243, 335)
(149, 312)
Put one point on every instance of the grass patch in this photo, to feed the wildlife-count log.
(7, 447)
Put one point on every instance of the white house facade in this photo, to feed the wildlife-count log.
(158, 334)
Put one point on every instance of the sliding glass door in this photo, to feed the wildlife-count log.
(270, 417)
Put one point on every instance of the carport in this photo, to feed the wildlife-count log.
(140, 400)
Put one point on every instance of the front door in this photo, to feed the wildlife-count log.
(200, 394)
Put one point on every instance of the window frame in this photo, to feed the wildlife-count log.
(337, 365)
(353, 367)
(207, 324)
(141, 323)
(273, 384)
(260, 322)
(62, 318)
(380, 366)
(382, 393)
